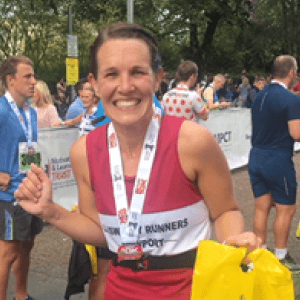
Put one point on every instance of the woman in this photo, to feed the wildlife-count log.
(243, 91)
(182, 178)
(90, 102)
(47, 115)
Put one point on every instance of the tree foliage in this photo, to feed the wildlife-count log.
(219, 35)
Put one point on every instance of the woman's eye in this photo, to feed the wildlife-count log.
(111, 74)
(138, 72)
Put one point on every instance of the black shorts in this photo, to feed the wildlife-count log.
(16, 224)
(104, 253)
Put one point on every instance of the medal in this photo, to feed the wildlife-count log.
(130, 252)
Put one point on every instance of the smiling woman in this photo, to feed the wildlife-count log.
(142, 171)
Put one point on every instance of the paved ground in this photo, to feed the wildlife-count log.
(48, 273)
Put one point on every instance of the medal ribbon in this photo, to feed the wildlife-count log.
(27, 131)
(129, 219)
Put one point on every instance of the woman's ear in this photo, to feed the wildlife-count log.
(93, 82)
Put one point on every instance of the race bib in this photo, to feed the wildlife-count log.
(27, 155)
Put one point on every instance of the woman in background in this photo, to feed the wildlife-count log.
(47, 115)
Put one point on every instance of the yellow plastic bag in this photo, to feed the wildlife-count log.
(93, 257)
(218, 275)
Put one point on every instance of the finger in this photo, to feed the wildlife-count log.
(23, 193)
(32, 186)
(40, 173)
(247, 240)
(34, 179)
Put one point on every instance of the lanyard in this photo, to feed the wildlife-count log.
(27, 131)
(129, 219)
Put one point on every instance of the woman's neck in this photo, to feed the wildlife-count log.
(131, 138)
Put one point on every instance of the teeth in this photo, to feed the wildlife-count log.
(126, 103)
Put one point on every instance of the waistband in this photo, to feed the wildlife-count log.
(185, 260)
(285, 151)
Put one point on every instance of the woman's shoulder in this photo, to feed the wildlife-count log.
(195, 137)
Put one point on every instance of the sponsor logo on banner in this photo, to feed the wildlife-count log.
(141, 186)
(223, 137)
(122, 214)
(113, 140)
(59, 169)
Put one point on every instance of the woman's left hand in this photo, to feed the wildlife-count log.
(246, 239)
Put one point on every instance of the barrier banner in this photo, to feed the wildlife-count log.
(232, 130)
(230, 127)
(54, 145)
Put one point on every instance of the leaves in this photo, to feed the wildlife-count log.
(219, 35)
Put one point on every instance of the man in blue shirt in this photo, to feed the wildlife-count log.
(275, 127)
(258, 85)
(77, 107)
(18, 140)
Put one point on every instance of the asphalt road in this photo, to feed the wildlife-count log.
(50, 256)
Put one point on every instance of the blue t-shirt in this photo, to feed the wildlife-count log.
(75, 109)
(101, 112)
(271, 110)
(11, 133)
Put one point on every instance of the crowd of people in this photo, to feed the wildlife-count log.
(143, 167)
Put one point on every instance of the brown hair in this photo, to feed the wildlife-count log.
(123, 30)
(185, 70)
(9, 66)
(283, 65)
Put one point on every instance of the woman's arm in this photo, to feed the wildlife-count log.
(205, 164)
(35, 196)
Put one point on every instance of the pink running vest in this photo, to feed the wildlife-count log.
(171, 196)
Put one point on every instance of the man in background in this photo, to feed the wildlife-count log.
(258, 86)
(275, 127)
(210, 93)
(181, 101)
(77, 107)
(18, 140)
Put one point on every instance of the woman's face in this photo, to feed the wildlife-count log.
(37, 97)
(125, 80)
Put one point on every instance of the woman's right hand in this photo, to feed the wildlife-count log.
(34, 194)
